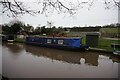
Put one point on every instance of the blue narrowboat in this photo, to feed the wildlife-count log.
(57, 42)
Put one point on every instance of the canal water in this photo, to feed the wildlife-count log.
(25, 61)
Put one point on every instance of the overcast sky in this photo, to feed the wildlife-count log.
(97, 15)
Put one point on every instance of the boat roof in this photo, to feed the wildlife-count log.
(56, 37)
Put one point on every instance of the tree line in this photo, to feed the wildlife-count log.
(18, 27)
(94, 28)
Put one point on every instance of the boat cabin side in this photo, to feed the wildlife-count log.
(49, 41)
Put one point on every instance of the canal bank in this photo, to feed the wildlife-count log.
(103, 44)
(100, 50)
(90, 48)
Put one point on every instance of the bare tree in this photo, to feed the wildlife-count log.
(16, 7)
(50, 24)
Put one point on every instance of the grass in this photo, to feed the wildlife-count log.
(19, 40)
(83, 40)
(110, 30)
(104, 43)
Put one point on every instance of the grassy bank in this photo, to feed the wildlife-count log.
(110, 32)
(19, 40)
(104, 43)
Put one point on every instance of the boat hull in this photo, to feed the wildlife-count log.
(66, 43)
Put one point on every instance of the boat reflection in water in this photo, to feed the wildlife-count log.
(91, 58)
(14, 48)
(65, 56)
(25, 61)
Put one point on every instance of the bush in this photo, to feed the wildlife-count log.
(19, 40)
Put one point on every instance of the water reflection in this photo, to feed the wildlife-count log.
(91, 58)
(65, 56)
(15, 48)
(40, 62)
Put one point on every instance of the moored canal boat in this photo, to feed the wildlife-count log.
(57, 42)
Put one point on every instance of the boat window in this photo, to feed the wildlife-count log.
(60, 41)
(32, 39)
(49, 41)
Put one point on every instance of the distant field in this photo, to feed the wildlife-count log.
(105, 32)
(110, 30)
(77, 34)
